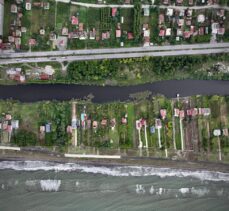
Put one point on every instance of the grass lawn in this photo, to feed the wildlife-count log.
(62, 18)
(127, 14)
(7, 18)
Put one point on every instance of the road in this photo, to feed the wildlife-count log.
(114, 56)
(115, 50)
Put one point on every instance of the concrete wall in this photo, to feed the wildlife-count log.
(1, 16)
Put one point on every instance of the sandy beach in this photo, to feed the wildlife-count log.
(143, 161)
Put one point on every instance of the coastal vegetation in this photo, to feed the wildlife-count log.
(116, 125)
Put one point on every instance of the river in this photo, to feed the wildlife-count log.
(102, 94)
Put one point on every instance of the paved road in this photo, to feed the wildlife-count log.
(115, 50)
(113, 56)
(39, 92)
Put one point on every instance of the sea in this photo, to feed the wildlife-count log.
(38, 185)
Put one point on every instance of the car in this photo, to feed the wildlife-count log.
(52, 58)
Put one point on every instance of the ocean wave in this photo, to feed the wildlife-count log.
(114, 171)
(50, 185)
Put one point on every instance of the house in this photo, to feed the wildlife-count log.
(104, 122)
(113, 11)
(200, 18)
(122, 19)
(166, 2)
(217, 132)
(179, 32)
(124, 120)
(201, 31)
(221, 31)
(168, 32)
(32, 42)
(169, 12)
(106, 35)
(176, 112)
(190, 2)
(28, 5)
(221, 12)
(152, 129)
(74, 123)
(162, 33)
(48, 128)
(188, 12)
(181, 114)
(187, 34)
(64, 31)
(75, 20)
(192, 29)
(88, 123)
(140, 123)
(204, 111)
(9, 128)
(215, 27)
(92, 34)
(180, 22)
(225, 131)
(42, 32)
(181, 13)
(161, 19)
(188, 22)
(44, 76)
(130, 36)
(42, 129)
(69, 129)
(23, 29)
(95, 124)
(11, 39)
(13, 8)
(46, 5)
(80, 26)
(163, 113)
(113, 123)
(179, 1)
(8, 117)
(118, 33)
(146, 11)
(158, 124)
(15, 124)
(52, 36)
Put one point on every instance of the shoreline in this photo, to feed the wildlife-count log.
(127, 161)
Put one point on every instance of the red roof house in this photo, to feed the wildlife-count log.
(75, 20)
(113, 12)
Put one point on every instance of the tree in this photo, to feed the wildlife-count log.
(24, 138)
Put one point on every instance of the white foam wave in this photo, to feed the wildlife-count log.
(114, 171)
(184, 190)
(200, 191)
(50, 185)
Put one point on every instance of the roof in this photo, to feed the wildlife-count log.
(32, 42)
(75, 20)
(130, 36)
(161, 19)
(162, 33)
(118, 33)
(146, 11)
(187, 34)
(113, 11)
